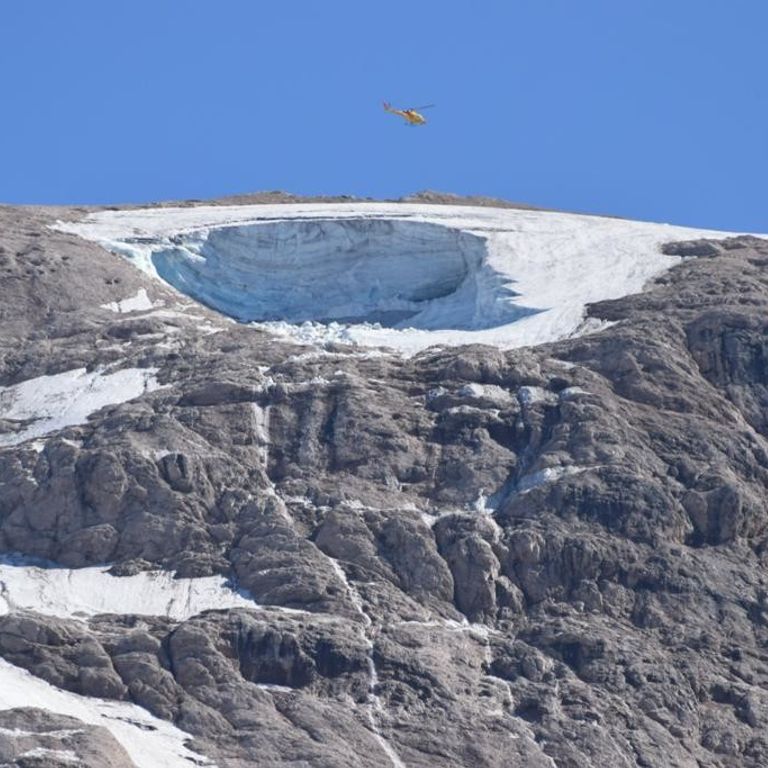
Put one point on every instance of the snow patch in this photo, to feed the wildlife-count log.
(572, 393)
(548, 475)
(471, 390)
(149, 741)
(261, 432)
(82, 592)
(62, 755)
(138, 303)
(532, 395)
(62, 733)
(49, 403)
(273, 688)
(487, 394)
(481, 504)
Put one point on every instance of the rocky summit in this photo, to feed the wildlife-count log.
(253, 514)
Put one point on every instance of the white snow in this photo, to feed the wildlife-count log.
(83, 592)
(137, 303)
(572, 393)
(487, 392)
(481, 505)
(63, 755)
(61, 733)
(273, 688)
(261, 431)
(436, 275)
(149, 741)
(50, 403)
(531, 395)
(548, 475)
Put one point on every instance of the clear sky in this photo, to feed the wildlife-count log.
(652, 109)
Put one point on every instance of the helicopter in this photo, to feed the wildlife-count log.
(412, 115)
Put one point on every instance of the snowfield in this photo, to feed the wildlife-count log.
(81, 592)
(398, 275)
(49, 403)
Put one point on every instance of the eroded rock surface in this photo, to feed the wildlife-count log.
(35, 738)
(554, 555)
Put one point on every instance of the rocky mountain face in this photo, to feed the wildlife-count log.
(552, 556)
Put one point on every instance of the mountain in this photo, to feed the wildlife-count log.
(436, 482)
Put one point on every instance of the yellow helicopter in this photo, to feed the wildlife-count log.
(412, 116)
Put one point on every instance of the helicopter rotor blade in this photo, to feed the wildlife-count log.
(426, 106)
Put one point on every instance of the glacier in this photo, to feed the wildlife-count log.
(397, 275)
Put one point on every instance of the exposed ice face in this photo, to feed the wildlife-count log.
(395, 273)
(391, 274)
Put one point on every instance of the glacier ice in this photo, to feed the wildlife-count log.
(394, 273)
(399, 275)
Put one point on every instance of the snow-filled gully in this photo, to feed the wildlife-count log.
(375, 709)
(261, 432)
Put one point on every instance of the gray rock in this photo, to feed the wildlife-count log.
(444, 567)
(35, 738)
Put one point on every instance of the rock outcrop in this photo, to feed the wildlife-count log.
(546, 556)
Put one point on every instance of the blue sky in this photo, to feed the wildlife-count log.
(652, 109)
